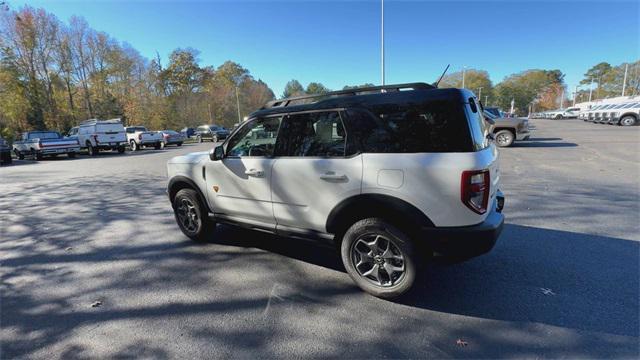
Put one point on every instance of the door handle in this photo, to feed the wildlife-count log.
(332, 176)
(254, 172)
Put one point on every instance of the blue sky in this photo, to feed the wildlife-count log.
(338, 43)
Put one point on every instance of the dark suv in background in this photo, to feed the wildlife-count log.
(213, 133)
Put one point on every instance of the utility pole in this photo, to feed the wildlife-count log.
(464, 69)
(562, 99)
(590, 89)
(480, 93)
(382, 38)
(624, 82)
(575, 94)
(238, 103)
(486, 100)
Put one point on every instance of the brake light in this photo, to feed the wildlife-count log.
(39, 144)
(474, 190)
(140, 136)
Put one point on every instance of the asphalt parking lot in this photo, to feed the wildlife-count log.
(93, 265)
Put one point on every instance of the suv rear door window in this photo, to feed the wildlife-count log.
(319, 134)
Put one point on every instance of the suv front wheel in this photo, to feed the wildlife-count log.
(379, 258)
(192, 216)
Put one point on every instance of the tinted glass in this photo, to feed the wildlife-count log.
(257, 138)
(431, 126)
(313, 134)
(45, 135)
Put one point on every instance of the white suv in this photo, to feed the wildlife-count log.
(389, 176)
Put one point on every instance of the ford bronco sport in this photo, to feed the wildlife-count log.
(390, 174)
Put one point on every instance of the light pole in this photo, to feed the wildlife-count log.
(590, 89)
(464, 70)
(562, 99)
(382, 41)
(575, 94)
(480, 93)
(624, 82)
(486, 100)
(238, 103)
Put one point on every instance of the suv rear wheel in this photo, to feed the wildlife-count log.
(192, 216)
(379, 258)
(134, 146)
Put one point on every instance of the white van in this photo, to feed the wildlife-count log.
(96, 135)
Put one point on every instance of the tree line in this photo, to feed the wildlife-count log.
(53, 75)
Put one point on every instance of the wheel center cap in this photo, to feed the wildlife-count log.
(378, 259)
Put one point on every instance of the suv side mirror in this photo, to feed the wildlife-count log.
(217, 153)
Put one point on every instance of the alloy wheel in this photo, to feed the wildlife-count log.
(503, 139)
(188, 216)
(378, 260)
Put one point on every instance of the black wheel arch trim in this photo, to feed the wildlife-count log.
(178, 183)
(388, 207)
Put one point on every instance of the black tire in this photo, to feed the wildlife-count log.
(628, 120)
(36, 155)
(134, 146)
(71, 155)
(199, 138)
(558, 117)
(19, 155)
(505, 138)
(389, 285)
(91, 150)
(121, 149)
(198, 227)
(158, 146)
(179, 144)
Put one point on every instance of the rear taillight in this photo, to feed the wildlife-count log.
(39, 144)
(166, 136)
(140, 136)
(474, 190)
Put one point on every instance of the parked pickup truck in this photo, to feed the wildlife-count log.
(39, 144)
(139, 136)
(508, 130)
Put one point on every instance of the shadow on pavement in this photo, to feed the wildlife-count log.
(68, 247)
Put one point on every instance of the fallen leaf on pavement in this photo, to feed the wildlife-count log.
(547, 291)
(461, 343)
(96, 303)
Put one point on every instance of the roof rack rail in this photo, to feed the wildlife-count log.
(350, 92)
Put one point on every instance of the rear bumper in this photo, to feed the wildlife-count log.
(52, 151)
(111, 145)
(469, 241)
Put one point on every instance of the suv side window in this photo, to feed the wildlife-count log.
(320, 134)
(437, 125)
(256, 138)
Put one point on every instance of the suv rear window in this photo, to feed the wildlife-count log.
(431, 126)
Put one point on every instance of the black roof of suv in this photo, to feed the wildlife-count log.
(362, 97)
